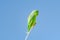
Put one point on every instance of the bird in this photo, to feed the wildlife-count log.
(32, 19)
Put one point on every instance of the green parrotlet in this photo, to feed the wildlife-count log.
(32, 19)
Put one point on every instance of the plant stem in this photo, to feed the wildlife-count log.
(26, 38)
(28, 33)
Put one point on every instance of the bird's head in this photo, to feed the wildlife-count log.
(36, 12)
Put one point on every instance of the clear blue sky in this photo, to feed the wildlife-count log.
(13, 19)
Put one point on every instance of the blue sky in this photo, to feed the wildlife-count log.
(13, 19)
